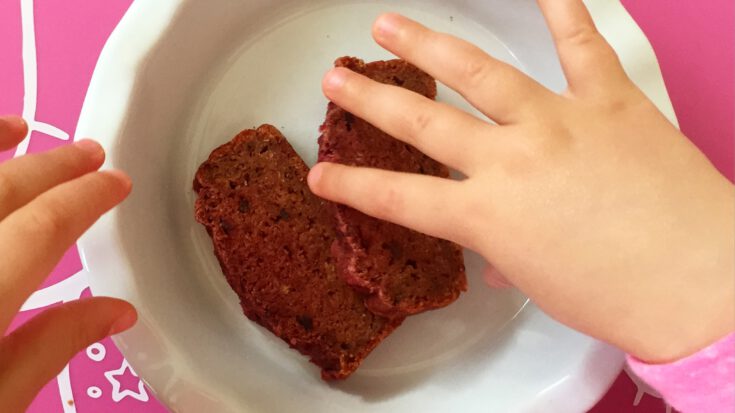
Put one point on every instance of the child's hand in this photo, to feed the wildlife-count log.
(46, 202)
(591, 202)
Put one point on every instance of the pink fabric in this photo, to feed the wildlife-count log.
(702, 382)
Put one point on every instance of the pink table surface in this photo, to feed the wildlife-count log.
(693, 40)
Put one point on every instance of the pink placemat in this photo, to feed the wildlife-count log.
(693, 41)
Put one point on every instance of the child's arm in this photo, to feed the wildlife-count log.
(591, 202)
(46, 202)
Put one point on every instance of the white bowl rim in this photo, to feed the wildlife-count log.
(116, 72)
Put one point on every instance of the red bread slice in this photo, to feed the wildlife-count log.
(402, 271)
(272, 236)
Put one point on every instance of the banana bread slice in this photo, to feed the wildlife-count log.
(402, 271)
(272, 237)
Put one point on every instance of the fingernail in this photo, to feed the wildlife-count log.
(386, 26)
(15, 124)
(122, 176)
(315, 175)
(335, 79)
(125, 322)
(92, 148)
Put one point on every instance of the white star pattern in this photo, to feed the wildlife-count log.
(117, 395)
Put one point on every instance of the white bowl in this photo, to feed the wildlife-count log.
(179, 77)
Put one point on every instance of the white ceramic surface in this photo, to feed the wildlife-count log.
(179, 77)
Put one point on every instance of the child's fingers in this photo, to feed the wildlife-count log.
(12, 130)
(424, 203)
(39, 233)
(494, 279)
(22, 179)
(444, 133)
(497, 89)
(590, 64)
(38, 350)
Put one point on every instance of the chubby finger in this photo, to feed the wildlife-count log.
(494, 278)
(12, 131)
(22, 179)
(442, 132)
(589, 62)
(497, 89)
(423, 203)
(36, 352)
(39, 233)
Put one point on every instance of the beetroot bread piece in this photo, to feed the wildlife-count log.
(272, 237)
(402, 271)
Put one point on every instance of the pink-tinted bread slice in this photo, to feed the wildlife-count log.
(402, 271)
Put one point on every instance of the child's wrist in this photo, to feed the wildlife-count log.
(667, 345)
(692, 313)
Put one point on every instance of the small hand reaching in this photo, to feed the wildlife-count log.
(47, 201)
(591, 201)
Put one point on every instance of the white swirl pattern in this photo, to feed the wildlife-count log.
(72, 287)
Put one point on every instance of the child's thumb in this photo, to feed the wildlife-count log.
(36, 352)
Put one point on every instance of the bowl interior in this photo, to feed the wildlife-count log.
(222, 66)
